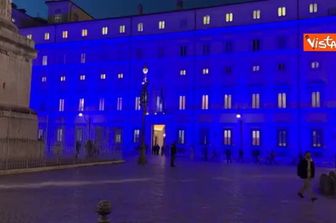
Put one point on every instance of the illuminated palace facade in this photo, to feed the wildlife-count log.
(231, 76)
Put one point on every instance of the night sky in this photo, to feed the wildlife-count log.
(113, 8)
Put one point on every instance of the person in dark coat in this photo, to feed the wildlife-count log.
(228, 155)
(78, 147)
(173, 155)
(241, 155)
(306, 171)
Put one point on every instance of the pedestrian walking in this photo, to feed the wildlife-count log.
(241, 155)
(228, 154)
(306, 171)
(78, 147)
(173, 151)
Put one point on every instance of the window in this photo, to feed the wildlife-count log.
(206, 20)
(182, 102)
(183, 72)
(205, 71)
(140, 27)
(136, 135)
(122, 29)
(317, 138)
(162, 24)
(313, 7)
(282, 42)
(256, 14)
(227, 101)
(314, 65)
(281, 67)
(44, 60)
(119, 103)
(44, 79)
(83, 58)
(58, 18)
(229, 17)
(120, 75)
(282, 100)
(281, 11)
(40, 134)
(227, 137)
(256, 68)
(282, 138)
(255, 45)
(84, 32)
(228, 46)
(59, 135)
(29, 36)
(159, 104)
(205, 102)
(181, 136)
(117, 136)
(102, 76)
(61, 105)
(104, 30)
(101, 104)
(316, 99)
(63, 78)
(82, 77)
(65, 34)
(228, 70)
(137, 103)
(183, 51)
(81, 104)
(206, 49)
(255, 137)
(255, 100)
(46, 36)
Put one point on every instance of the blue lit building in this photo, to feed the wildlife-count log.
(232, 76)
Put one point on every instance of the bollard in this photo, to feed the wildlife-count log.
(103, 210)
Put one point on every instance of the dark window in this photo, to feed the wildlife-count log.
(282, 42)
(206, 49)
(183, 51)
(281, 67)
(255, 45)
(228, 70)
(317, 137)
(282, 138)
(228, 46)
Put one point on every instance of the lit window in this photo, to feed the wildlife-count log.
(317, 138)
(84, 32)
(44, 79)
(137, 103)
(119, 104)
(61, 105)
(59, 135)
(315, 65)
(282, 11)
(101, 104)
(159, 103)
(205, 71)
(162, 24)
(183, 72)
(182, 102)
(313, 8)
(44, 60)
(229, 17)
(205, 102)
(316, 99)
(120, 75)
(103, 76)
(255, 101)
(282, 138)
(83, 58)
(227, 137)
(206, 20)
(104, 30)
(255, 137)
(65, 34)
(256, 68)
(140, 27)
(122, 29)
(117, 136)
(81, 104)
(82, 77)
(256, 14)
(46, 36)
(227, 101)
(62, 78)
(136, 135)
(181, 136)
(29, 36)
(282, 100)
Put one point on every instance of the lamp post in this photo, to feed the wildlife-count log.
(144, 103)
(240, 120)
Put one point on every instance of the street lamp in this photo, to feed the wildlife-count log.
(144, 103)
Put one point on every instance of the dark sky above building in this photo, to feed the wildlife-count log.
(114, 8)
